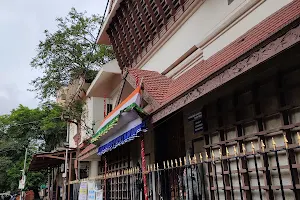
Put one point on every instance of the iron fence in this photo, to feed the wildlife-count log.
(217, 175)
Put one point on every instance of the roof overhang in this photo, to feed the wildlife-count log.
(107, 79)
(47, 160)
(103, 37)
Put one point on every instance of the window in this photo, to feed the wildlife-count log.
(230, 1)
(108, 108)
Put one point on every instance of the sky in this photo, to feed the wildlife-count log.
(22, 23)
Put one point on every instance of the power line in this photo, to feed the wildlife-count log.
(102, 21)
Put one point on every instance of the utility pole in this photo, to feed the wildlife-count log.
(23, 173)
(65, 175)
(66, 163)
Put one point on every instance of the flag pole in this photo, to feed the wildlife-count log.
(144, 168)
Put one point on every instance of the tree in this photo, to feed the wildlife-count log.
(39, 129)
(69, 52)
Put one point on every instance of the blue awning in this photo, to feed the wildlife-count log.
(123, 138)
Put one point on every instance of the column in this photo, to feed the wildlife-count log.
(93, 171)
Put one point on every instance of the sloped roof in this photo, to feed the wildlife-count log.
(240, 46)
(155, 84)
(164, 90)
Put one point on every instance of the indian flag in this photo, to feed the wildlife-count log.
(112, 120)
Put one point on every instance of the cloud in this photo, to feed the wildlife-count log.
(22, 24)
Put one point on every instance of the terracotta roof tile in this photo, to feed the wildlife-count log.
(164, 90)
(240, 46)
(155, 84)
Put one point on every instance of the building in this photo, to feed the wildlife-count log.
(220, 88)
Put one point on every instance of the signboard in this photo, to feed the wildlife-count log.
(99, 194)
(83, 190)
(198, 125)
(195, 116)
(91, 191)
(197, 119)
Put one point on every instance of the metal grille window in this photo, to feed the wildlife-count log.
(108, 108)
(117, 161)
(253, 120)
(139, 23)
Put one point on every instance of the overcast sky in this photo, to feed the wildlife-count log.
(22, 23)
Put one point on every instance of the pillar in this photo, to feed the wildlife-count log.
(93, 171)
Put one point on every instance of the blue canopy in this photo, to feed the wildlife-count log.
(123, 138)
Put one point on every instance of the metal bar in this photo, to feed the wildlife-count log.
(268, 175)
(279, 174)
(230, 178)
(223, 177)
(144, 167)
(131, 186)
(216, 179)
(105, 173)
(186, 185)
(135, 193)
(70, 176)
(248, 177)
(159, 183)
(203, 179)
(199, 195)
(154, 184)
(193, 193)
(212, 194)
(192, 186)
(150, 184)
(178, 180)
(292, 176)
(174, 184)
(257, 176)
(239, 177)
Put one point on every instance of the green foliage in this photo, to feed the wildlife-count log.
(69, 52)
(39, 129)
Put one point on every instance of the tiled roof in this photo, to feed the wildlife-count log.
(240, 46)
(164, 90)
(155, 84)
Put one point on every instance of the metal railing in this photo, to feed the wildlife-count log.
(261, 174)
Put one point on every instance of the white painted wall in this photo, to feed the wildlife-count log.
(72, 133)
(211, 15)
(98, 111)
(255, 17)
(93, 113)
(93, 169)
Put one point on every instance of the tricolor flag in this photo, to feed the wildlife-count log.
(117, 119)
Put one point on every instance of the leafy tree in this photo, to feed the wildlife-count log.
(39, 129)
(69, 52)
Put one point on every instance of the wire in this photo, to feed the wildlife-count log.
(101, 24)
